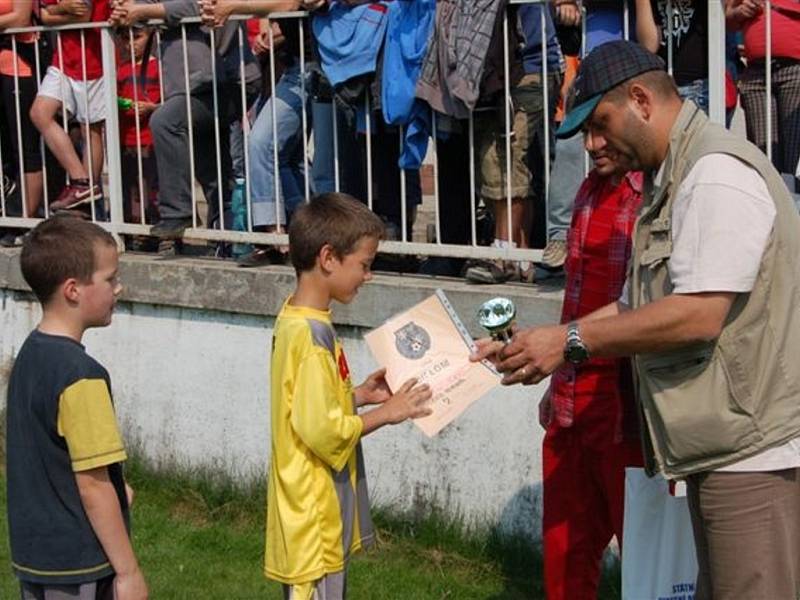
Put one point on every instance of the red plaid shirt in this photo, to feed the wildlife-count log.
(598, 249)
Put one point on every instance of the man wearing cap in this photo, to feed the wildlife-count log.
(710, 314)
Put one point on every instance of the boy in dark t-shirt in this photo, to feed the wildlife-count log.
(68, 501)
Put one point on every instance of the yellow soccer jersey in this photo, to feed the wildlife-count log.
(317, 503)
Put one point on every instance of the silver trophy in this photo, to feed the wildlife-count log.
(497, 317)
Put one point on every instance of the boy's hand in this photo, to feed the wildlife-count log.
(374, 390)
(410, 402)
(129, 494)
(145, 107)
(76, 8)
(130, 586)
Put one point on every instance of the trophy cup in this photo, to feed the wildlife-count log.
(497, 317)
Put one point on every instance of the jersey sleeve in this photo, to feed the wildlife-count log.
(317, 416)
(87, 422)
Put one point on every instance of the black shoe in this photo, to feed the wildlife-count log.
(261, 257)
(442, 266)
(12, 238)
(170, 229)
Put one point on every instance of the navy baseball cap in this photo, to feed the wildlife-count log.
(604, 68)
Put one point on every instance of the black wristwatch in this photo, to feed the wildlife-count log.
(575, 350)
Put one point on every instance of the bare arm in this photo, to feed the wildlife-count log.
(647, 31)
(20, 15)
(126, 12)
(674, 321)
(738, 12)
(101, 504)
(66, 12)
(217, 12)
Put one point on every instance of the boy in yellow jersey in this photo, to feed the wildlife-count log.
(68, 502)
(317, 504)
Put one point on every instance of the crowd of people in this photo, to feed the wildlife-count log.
(680, 249)
(400, 62)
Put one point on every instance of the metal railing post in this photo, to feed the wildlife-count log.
(113, 146)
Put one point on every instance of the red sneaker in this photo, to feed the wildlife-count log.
(75, 195)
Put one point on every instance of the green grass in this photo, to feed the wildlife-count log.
(199, 536)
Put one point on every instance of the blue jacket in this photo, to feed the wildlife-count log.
(408, 32)
(530, 24)
(349, 38)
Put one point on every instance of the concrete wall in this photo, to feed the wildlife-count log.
(188, 357)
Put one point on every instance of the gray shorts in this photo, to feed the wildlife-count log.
(331, 587)
(102, 589)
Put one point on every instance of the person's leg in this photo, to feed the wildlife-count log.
(45, 114)
(212, 168)
(575, 526)
(749, 534)
(455, 211)
(286, 103)
(27, 157)
(323, 170)
(169, 126)
(96, 156)
(787, 92)
(566, 177)
(753, 93)
(697, 92)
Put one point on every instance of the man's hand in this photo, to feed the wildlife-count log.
(124, 13)
(374, 390)
(130, 586)
(215, 13)
(76, 8)
(568, 14)
(530, 356)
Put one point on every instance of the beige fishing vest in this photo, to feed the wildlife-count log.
(711, 404)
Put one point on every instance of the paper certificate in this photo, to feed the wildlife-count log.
(429, 342)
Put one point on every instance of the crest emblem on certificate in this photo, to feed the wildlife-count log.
(412, 341)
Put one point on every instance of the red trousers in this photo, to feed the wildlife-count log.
(584, 493)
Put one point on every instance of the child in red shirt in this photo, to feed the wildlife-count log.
(74, 83)
(139, 94)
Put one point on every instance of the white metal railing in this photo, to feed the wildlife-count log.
(112, 182)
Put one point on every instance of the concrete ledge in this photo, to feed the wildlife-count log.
(209, 284)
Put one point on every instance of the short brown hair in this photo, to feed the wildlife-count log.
(60, 248)
(335, 219)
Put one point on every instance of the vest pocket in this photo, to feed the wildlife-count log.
(693, 414)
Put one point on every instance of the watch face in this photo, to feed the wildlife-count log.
(576, 353)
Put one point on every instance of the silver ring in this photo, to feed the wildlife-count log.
(523, 371)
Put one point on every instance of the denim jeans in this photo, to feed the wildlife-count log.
(288, 131)
(697, 92)
(565, 179)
